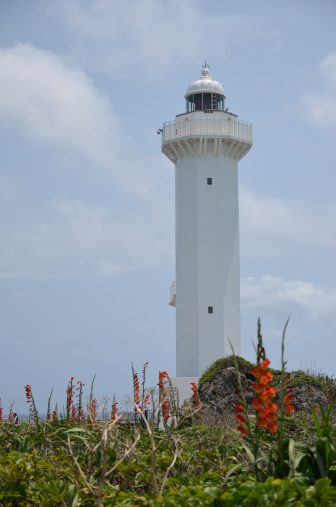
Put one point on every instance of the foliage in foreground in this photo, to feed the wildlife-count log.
(162, 457)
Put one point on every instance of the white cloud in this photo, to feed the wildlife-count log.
(289, 296)
(328, 67)
(146, 36)
(84, 240)
(270, 224)
(321, 105)
(59, 105)
(56, 103)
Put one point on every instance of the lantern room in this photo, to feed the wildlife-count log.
(205, 94)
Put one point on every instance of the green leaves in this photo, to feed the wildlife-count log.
(210, 470)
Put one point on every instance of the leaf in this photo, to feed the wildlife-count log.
(291, 450)
(75, 500)
(249, 453)
(230, 472)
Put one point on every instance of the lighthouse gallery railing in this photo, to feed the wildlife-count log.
(209, 127)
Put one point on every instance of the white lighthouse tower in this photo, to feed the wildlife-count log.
(205, 143)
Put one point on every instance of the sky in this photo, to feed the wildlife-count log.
(87, 197)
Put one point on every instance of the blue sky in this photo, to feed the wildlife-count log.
(87, 199)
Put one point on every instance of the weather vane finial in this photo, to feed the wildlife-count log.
(206, 65)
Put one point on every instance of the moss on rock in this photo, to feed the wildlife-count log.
(224, 362)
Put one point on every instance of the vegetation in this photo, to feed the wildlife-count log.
(244, 367)
(161, 456)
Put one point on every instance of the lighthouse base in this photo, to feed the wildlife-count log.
(183, 387)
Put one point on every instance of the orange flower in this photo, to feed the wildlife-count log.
(264, 405)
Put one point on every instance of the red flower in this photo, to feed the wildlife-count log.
(136, 388)
(114, 413)
(288, 398)
(241, 418)
(163, 395)
(69, 398)
(93, 410)
(196, 399)
(243, 430)
(73, 413)
(28, 392)
(165, 410)
(55, 415)
(289, 409)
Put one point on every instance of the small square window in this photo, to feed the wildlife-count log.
(210, 309)
(209, 181)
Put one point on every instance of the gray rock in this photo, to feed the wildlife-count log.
(219, 394)
(306, 396)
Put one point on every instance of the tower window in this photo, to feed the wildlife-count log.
(209, 181)
(210, 309)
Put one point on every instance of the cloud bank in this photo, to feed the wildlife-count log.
(289, 296)
(56, 104)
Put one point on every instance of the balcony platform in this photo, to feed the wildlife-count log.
(201, 136)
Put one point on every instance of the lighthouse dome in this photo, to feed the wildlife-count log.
(205, 84)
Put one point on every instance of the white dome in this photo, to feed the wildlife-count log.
(205, 84)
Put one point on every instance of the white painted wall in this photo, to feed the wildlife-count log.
(207, 261)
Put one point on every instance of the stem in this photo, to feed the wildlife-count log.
(48, 408)
(282, 395)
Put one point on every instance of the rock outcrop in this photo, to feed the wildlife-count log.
(218, 388)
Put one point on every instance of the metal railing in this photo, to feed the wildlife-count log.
(217, 127)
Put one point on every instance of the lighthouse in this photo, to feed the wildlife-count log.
(205, 143)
